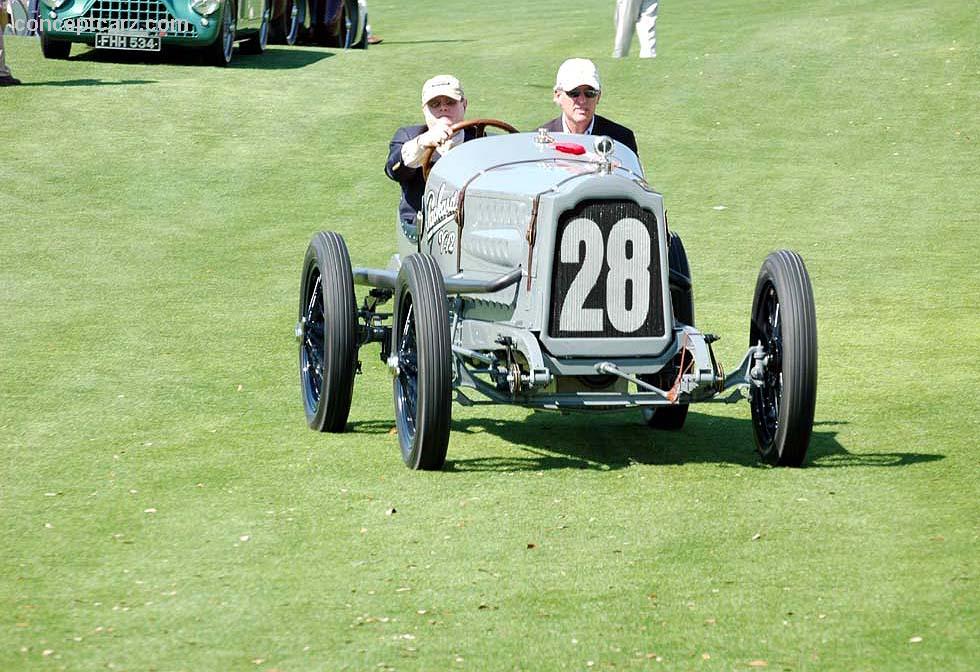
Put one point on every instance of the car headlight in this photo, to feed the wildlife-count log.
(202, 7)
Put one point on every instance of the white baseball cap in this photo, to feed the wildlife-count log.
(441, 85)
(576, 72)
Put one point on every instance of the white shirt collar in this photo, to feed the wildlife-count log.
(588, 131)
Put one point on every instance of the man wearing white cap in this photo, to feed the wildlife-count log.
(443, 104)
(577, 94)
(641, 15)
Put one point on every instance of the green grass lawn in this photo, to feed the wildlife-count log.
(165, 507)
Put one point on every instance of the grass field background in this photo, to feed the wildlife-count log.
(165, 508)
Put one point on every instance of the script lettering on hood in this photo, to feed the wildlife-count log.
(440, 209)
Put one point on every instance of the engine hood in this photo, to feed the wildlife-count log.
(519, 165)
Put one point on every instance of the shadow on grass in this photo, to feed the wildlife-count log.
(616, 441)
(90, 82)
(372, 426)
(281, 59)
(426, 41)
(272, 59)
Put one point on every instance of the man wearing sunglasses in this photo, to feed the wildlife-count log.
(577, 94)
(443, 104)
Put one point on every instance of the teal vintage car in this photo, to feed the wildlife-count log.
(212, 26)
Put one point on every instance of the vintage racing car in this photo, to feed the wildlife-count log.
(542, 273)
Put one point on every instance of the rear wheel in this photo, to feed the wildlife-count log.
(55, 49)
(327, 332)
(784, 323)
(423, 380)
(681, 292)
(682, 302)
(258, 43)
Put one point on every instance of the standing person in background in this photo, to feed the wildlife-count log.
(641, 15)
(6, 79)
(371, 37)
(577, 93)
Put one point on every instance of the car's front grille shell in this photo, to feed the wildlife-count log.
(592, 297)
(138, 16)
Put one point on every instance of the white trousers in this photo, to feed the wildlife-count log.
(4, 70)
(640, 15)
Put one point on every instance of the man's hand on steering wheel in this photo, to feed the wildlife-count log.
(481, 130)
(438, 133)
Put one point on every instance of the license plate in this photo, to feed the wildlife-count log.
(127, 42)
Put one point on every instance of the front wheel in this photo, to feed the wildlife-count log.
(784, 323)
(327, 333)
(223, 48)
(55, 49)
(423, 373)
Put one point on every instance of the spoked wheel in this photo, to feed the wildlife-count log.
(423, 378)
(682, 302)
(784, 323)
(327, 333)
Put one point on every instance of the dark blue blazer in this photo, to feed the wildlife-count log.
(602, 126)
(410, 179)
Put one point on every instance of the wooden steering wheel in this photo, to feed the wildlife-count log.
(481, 130)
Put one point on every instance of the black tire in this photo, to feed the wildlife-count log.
(285, 28)
(221, 51)
(672, 418)
(348, 24)
(340, 33)
(328, 333)
(257, 43)
(784, 322)
(681, 290)
(58, 50)
(423, 383)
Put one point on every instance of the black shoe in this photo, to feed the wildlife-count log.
(9, 81)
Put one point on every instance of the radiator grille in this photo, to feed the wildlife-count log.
(139, 16)
(606, 273)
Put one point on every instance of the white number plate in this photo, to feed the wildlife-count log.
(127, 42)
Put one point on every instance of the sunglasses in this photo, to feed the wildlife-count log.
(588, 93)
